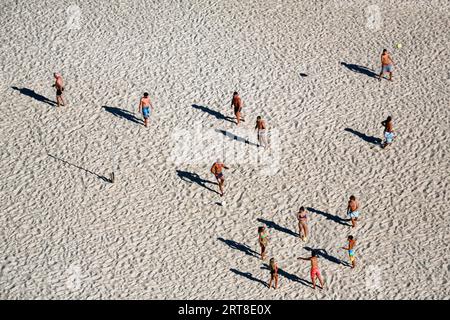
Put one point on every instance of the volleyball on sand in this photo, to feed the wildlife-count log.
(398, 45)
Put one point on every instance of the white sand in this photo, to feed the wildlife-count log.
(67, 233)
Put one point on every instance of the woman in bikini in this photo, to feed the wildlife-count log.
(273, 273)
(263, 239)
(302, 224)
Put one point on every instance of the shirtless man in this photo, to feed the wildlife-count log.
(216, 170)
(261, 132)
(144, 107)
(351, 250)
(388, 132)
(236, 105)
(352, 210)
(59, 85)
(386, 65)
(314, 269)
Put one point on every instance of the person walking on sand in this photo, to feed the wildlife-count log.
(315, 272)
(144, 107)
(388, 133)
(387, 65)
(59, 85)
(261, 132)
(236, 105)
(216, 170)
(273, 273)
(302, 224)
(352, 210)
(263, 239)
(351, 250)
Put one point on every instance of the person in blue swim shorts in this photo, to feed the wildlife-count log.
(389, 134)
(145, 106)
(352, 210)
(351, 250)
(387, 65)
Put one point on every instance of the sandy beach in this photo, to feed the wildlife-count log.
(161, 230)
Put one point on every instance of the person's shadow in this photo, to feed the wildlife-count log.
(80, 168)
(273, 225)
(249, 276)
(239, 246)
(213, 113)
(329, 216)
(324, 254)
(195, 178)
(32, 94)
(290, 276)
(369, 139)
(121, 113)
(235, 137)
(360, 69)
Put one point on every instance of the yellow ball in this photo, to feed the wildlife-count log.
(398, 45)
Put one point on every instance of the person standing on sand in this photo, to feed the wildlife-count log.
(144, 107)
(352, 210)
(263, 239)
(386, 65)
(273, 273)
(302, 224)
(216, 170)
(261, 132)
(314, 269)
(59, 85)
(236, 105)
(351, 250)
(388, 133)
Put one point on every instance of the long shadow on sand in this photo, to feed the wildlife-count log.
(195, 178)
(369, 139)
(249, 276)
(232, 136)
(213, 113)
(124, 114)
(32, 94)
(240, 246)
(80, 168)
(290, 276)
(360, 69)
(329, 216)
(324, 254)
(273, 225)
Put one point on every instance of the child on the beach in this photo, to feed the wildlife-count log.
(352, 210)
(315, 272)
(351, 250)
(273, 273)
(388, 133)
(302, 224)
(216, 170)
(263, 239)
(144, 106)
(261, 132)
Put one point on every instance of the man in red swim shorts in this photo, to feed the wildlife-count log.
(216, 170)
(315, 272)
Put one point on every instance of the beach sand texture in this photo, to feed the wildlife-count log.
(158, 232)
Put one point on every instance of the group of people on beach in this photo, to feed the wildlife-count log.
(263, 240)
(146, 108)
